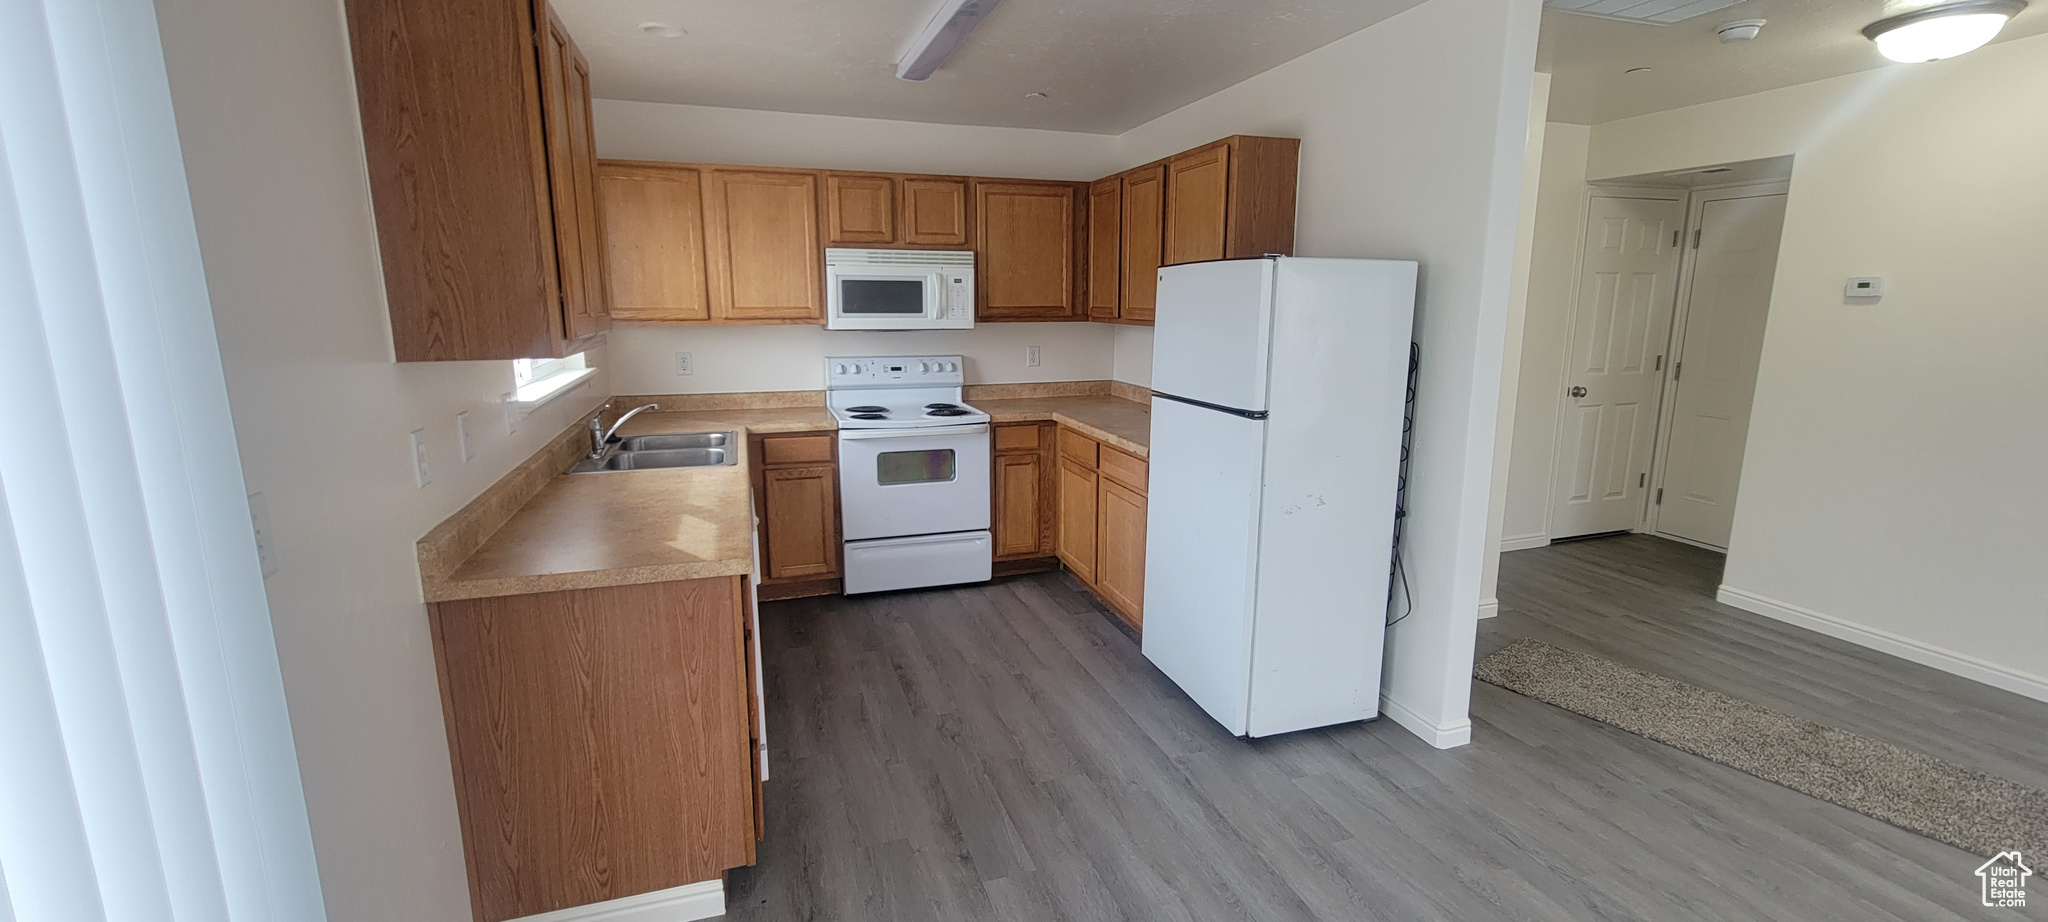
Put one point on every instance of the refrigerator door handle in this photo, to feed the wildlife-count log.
(1247, 414)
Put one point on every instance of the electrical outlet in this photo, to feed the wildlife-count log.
(420, 476)
(259, 520)
(683, 366)
(1030, 356)
(462, 436)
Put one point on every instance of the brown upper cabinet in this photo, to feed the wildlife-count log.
(934, 211)
(1105, 259)
(654, 237)
(476, 129)
(1024, 253)
(1144, 204)
(762, 245)
(859, 209)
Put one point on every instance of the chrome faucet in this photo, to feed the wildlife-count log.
(600, 436)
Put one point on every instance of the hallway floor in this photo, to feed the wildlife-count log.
(1005, 752)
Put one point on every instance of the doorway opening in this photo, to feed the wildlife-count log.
(1672, 288)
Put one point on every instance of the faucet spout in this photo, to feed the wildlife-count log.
(601, 437)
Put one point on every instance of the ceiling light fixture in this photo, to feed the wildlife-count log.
(661, 30)
(1740, 30)
(941, 37)
(1637, 70)
(1941, 31)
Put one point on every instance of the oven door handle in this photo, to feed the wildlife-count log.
(940, 432)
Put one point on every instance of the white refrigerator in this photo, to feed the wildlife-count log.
(1279, 389)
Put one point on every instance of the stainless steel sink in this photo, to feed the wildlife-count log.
(674, 440)
(662, 451)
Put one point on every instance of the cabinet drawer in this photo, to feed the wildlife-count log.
(1077, 447)
(800, 449)
(1020, 437)
(1123, 467)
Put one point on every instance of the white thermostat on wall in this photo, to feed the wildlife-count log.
(1866, 287)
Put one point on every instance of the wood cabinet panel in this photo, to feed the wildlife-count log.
(1123, 467)
(1120, 553)
(600, 739)
(934, 211)
(1076, 519)
(1077, 447)
(449, 94)
(593, 315)
(1019, 491)
(1197, 204)
(859, 209)
(1024, 250)
(1263, 174)
(799, 521)
(654, 242)
(765, 257)
(1017, 436)
(1105, 247)
(1143, 209)
(796, 449)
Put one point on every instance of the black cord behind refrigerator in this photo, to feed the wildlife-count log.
(1396, 575)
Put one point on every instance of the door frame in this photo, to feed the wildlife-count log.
(1557, 390)
(1696, 201)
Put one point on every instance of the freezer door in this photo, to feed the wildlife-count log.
(1212, 336)
(1201, 554)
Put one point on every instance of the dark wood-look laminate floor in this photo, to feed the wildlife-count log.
(1005, 752)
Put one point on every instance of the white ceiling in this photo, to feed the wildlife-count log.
(1104, 65)
(1803, 40)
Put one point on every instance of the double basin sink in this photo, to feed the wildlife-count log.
(662, 451)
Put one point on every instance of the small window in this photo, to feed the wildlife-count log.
(536, 380)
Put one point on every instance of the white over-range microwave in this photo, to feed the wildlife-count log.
(899, 289)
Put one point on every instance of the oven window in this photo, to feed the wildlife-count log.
(929, 466)
(881, 297)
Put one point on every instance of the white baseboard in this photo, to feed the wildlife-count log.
(1442, 736)
(1489, 608)
(687, 903)
(1524, 542)
(1926, 654)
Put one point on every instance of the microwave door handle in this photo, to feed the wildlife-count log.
(975, 429)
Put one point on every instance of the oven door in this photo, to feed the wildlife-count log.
(870, 297)
(894, 483)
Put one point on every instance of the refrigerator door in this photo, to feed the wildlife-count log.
(1212, 335)
(1201, 553)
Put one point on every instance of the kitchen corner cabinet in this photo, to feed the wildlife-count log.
(1023, 487)
(796, 489)
(602, 740)
(476, 132)
(762, 245)
(1101, 521)
(1026, 246)
(1105, 256)
(1143, 205)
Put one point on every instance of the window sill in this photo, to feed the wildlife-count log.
(539, 393)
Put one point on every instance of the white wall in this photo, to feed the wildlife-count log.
(1412, 134)
(1892, 489)
(1133, 355)
(780, 358)
(266, 112)
(1560, 201)
(791, 357)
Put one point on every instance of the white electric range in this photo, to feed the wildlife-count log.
(913, 472)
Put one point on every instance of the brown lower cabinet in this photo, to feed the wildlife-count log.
(602, 739)
(1096, 508)
(1022, 485)
(796, 494)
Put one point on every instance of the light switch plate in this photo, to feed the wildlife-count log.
(259, 520)
(462, 437)
(420, 476)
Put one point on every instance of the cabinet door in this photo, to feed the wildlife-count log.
(1024, 250)
(593, 315)
(859, 209)
(558, 119)
(1105, 247)
(1120, 554)
(1144, 199)
(800, 521)
(1197, 201)
(761, 235)
(934, 212)
(1076, 528)
(654, 242)
(1018, 494)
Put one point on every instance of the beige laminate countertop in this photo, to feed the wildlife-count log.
(586, 531)
(616, 529)
(1126, 424)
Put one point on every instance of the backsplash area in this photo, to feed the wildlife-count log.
(726, 359)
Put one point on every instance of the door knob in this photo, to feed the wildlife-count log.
(1577, 391)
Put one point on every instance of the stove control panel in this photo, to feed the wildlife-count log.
(894, 371)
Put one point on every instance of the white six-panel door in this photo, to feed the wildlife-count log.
(1621, 324)
(1716, 355)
